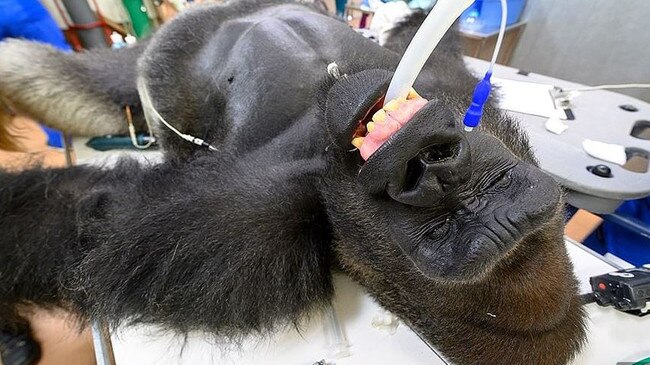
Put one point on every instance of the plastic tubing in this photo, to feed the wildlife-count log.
(440, 19)
(502, 32)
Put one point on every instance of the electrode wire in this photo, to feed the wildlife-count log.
(147, 105)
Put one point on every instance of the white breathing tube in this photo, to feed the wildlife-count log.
(440, 19)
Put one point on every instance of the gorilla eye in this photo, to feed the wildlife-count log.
(501, 183)
(438, 153)
(440, 230)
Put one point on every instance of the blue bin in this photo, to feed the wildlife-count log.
(485, 15)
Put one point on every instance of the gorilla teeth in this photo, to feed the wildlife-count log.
(386, 122)
(357, 142)
(379, 117)
(412, 94)
(392, 105)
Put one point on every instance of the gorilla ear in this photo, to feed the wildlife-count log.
(426, 160)
(79, 93)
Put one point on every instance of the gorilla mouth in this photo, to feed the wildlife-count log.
(380, 123)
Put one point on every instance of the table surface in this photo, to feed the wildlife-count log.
(613, 336)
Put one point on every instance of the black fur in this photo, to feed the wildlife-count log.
(125, 244)
(242, 240)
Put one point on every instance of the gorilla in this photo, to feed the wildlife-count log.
(459, 234)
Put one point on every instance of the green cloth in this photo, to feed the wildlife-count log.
(139, 18)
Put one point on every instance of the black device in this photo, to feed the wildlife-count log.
(627, 290)
(120, 142)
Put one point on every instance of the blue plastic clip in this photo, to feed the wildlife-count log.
(475, 111)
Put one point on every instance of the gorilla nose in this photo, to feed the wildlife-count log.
(435, 172)
(424, 161)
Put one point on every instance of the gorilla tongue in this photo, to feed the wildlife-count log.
(388, 121)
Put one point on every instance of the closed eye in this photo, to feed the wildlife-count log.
(498, 184)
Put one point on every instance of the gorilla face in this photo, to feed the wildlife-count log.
(454, 202)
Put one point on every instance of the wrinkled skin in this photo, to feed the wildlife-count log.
(459, 234)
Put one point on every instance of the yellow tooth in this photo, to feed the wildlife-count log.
(380, 116)
(413, 94)
(392, 105)
(357, 142)
(370, 126)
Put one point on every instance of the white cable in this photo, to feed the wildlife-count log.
(502, 32)
(147, 105)
(339, 347)
(614, 86)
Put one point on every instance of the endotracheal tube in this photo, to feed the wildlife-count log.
(439, 20)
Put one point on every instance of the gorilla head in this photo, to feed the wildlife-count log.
(436, 219)
(454, 202)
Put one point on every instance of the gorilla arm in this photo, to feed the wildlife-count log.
(78, 93)
(229, 250)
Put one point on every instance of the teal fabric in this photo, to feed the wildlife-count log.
(340, 6)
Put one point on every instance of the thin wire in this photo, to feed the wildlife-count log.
(148, 105)
(614, 86)
(502, 31)
(132, 134)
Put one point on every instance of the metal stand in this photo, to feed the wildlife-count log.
(102, 343)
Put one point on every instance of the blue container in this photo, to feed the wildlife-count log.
(485, 15)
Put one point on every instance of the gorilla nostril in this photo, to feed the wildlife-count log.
(440, 152)
(414, 172)
(436, 171)
(431, 155)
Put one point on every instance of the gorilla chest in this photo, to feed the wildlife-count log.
(269, 67)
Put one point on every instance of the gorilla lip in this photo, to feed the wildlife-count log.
(373, 131)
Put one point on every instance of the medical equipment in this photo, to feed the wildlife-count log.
(485, 15)
(439, 20)
(627, 290)
(563, 97)
(133, 135)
